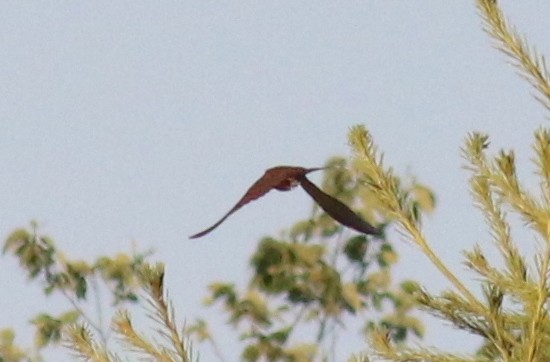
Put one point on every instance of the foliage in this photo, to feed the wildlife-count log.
(122, 275)
(78, 281)
(318, 276)
(530, 65)
(511, 316)
(9, 352)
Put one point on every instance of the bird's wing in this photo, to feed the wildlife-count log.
(336, 209)
(261, 187)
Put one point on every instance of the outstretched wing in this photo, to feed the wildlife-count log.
(271, 178)
(337, 210)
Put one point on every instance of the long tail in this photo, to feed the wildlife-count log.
(337, 210)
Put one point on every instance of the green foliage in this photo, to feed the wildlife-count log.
(48, 328)
(318, 276)
(40, 258)
(77, 281)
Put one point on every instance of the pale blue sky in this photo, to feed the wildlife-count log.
(145, 121)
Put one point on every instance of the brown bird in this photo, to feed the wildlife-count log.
(284, 178)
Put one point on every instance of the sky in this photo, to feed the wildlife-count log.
(135, 124)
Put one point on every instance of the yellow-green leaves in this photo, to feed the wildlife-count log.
(498, 191)
(80, 340)
(423, 198)
(524, 57)
(35, 252)
(351, 296)
(396, 201)
(74, 280)
(48, 328)
(8, 350)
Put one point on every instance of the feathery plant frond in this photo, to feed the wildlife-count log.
(513, 317)
(383, 182)
(134, 341)
(464, 310)
(370, 166)
(384, 349)
(498, 180)
(453, 308)
(163, 311)
(536, 308)
(482, 190)
(542, 161)
(508, 188)
(494, 186)
(530, 65)
(79, 338)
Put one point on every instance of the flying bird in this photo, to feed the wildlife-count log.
(284, 178)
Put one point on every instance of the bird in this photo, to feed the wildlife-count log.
(285, 178)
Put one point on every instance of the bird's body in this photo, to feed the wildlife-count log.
(284, 178)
